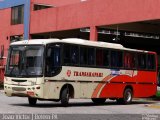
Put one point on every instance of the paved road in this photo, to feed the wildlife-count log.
(17, 105)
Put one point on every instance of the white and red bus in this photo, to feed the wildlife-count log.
(53, 69)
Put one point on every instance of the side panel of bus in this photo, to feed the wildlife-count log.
(110, 85)
(96, 72)
(143, 85)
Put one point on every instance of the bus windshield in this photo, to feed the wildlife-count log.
(25, 61)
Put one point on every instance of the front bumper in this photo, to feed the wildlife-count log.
(24, 91)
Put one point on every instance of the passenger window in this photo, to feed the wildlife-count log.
(151, 62)
(106, 57)
(83, 56)
(66, 52)
(116, 59)
(91, 56)
(71, 54)
(142, 61)
(99, 57)
(130, 60)
(74, 55)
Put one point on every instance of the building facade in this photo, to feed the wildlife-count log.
(88, 19)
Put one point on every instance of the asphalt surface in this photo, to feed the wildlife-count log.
(80, 109)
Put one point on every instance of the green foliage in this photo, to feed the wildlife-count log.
(158, 94)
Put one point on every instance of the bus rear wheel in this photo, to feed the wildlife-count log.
(65, 97)
(32, 101)
(99, 100)
(127, 97)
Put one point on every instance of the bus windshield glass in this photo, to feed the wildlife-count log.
(25, 61)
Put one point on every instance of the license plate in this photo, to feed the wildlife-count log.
(30, 93)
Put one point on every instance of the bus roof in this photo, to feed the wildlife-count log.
(74, 41)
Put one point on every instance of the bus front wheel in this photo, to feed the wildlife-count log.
(99, 100)
(32, 101)
(65, 97)
(127, 97)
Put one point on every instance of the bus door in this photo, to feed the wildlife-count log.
(53, 62)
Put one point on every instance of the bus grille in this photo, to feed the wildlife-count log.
(18, 88)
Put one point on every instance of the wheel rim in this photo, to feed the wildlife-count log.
(128, 96)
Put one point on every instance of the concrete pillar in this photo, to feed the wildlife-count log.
(93, 33)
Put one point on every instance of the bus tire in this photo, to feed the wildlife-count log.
(99, 100)
(32, 101)
(65, 97)
(127, 97)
